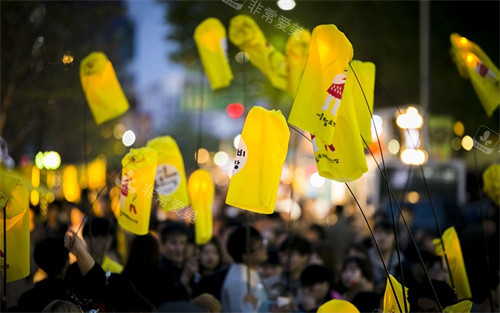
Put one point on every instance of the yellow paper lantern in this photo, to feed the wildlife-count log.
(247, 35)
(97, 173)
(201, 192)
(259, 160)
(102, 89)
(139, 167)
(170, 178)
(297, 50)
(337, 306)
(71, 189)
(14, 207)
(211, 41)
(491, 180)
(320, 90)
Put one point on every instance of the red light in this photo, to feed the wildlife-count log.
(235, 110)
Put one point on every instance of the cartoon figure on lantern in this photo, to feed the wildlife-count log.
(335, 93)
(315, 145)
(125, 184)
(484, 71)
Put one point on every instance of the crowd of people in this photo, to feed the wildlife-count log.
(253, 263)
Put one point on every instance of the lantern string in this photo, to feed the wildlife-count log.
(200, 119)
(483, 232)
(378, 249)
(247, 214)
(394, 223)
(386, 177)
(391, 193)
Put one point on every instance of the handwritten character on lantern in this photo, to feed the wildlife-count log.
(335, 93)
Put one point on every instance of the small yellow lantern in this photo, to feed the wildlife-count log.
(201, 192)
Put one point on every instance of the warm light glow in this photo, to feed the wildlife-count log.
(414, 156)
(97, 172)
(221, 158)
(467, 143)
(39, 159)
(70, 187)
(393, 146)
(470, 58)
(412, 197)
(201, 192)
(52, 160)
(236, 141)
(463, 41)
(35, 177)
(67, 58)
(119, 130)
(412, 138)
(50, 197)
(242, 57)
(316, 180)
(34, 197)
(128, 138)
(286, 5)
(458, 128)
(203, 156)
(410, 119)
(376, 127)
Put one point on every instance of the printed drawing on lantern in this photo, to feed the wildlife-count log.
(335, 93)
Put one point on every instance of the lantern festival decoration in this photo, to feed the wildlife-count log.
(491, 183)
(101, 87)
(455, 261)
(318, 98)
(337, 305)
(170, 177)
(14, 213)
(394, 300)
(201, 193)
(343, 159)
(211, 41)
(474, 64)
(297, 50)
(137, 184)
(246, 35)
(259, 160)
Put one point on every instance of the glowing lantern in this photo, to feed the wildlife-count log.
(97, 173)
(491, 180)
(14, 200)
(102, 89)
(246, 35)
(170, 177)
(259, 160)
(319, 94)
(201, 192)
(235, 110)
(138, 178)
(211, 41)
(338, 306)
(70, 187)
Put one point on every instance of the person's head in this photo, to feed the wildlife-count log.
(53, 211)
(210, 256)
(51, 256)
(144, 251)
(174, 242)
(237, 247)
(383, 232)
(318, 279)
(295, 253)
(357, 250)
(315, 234)
(62, 306)
(354, 270)
(98, 234)
(272, 266)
